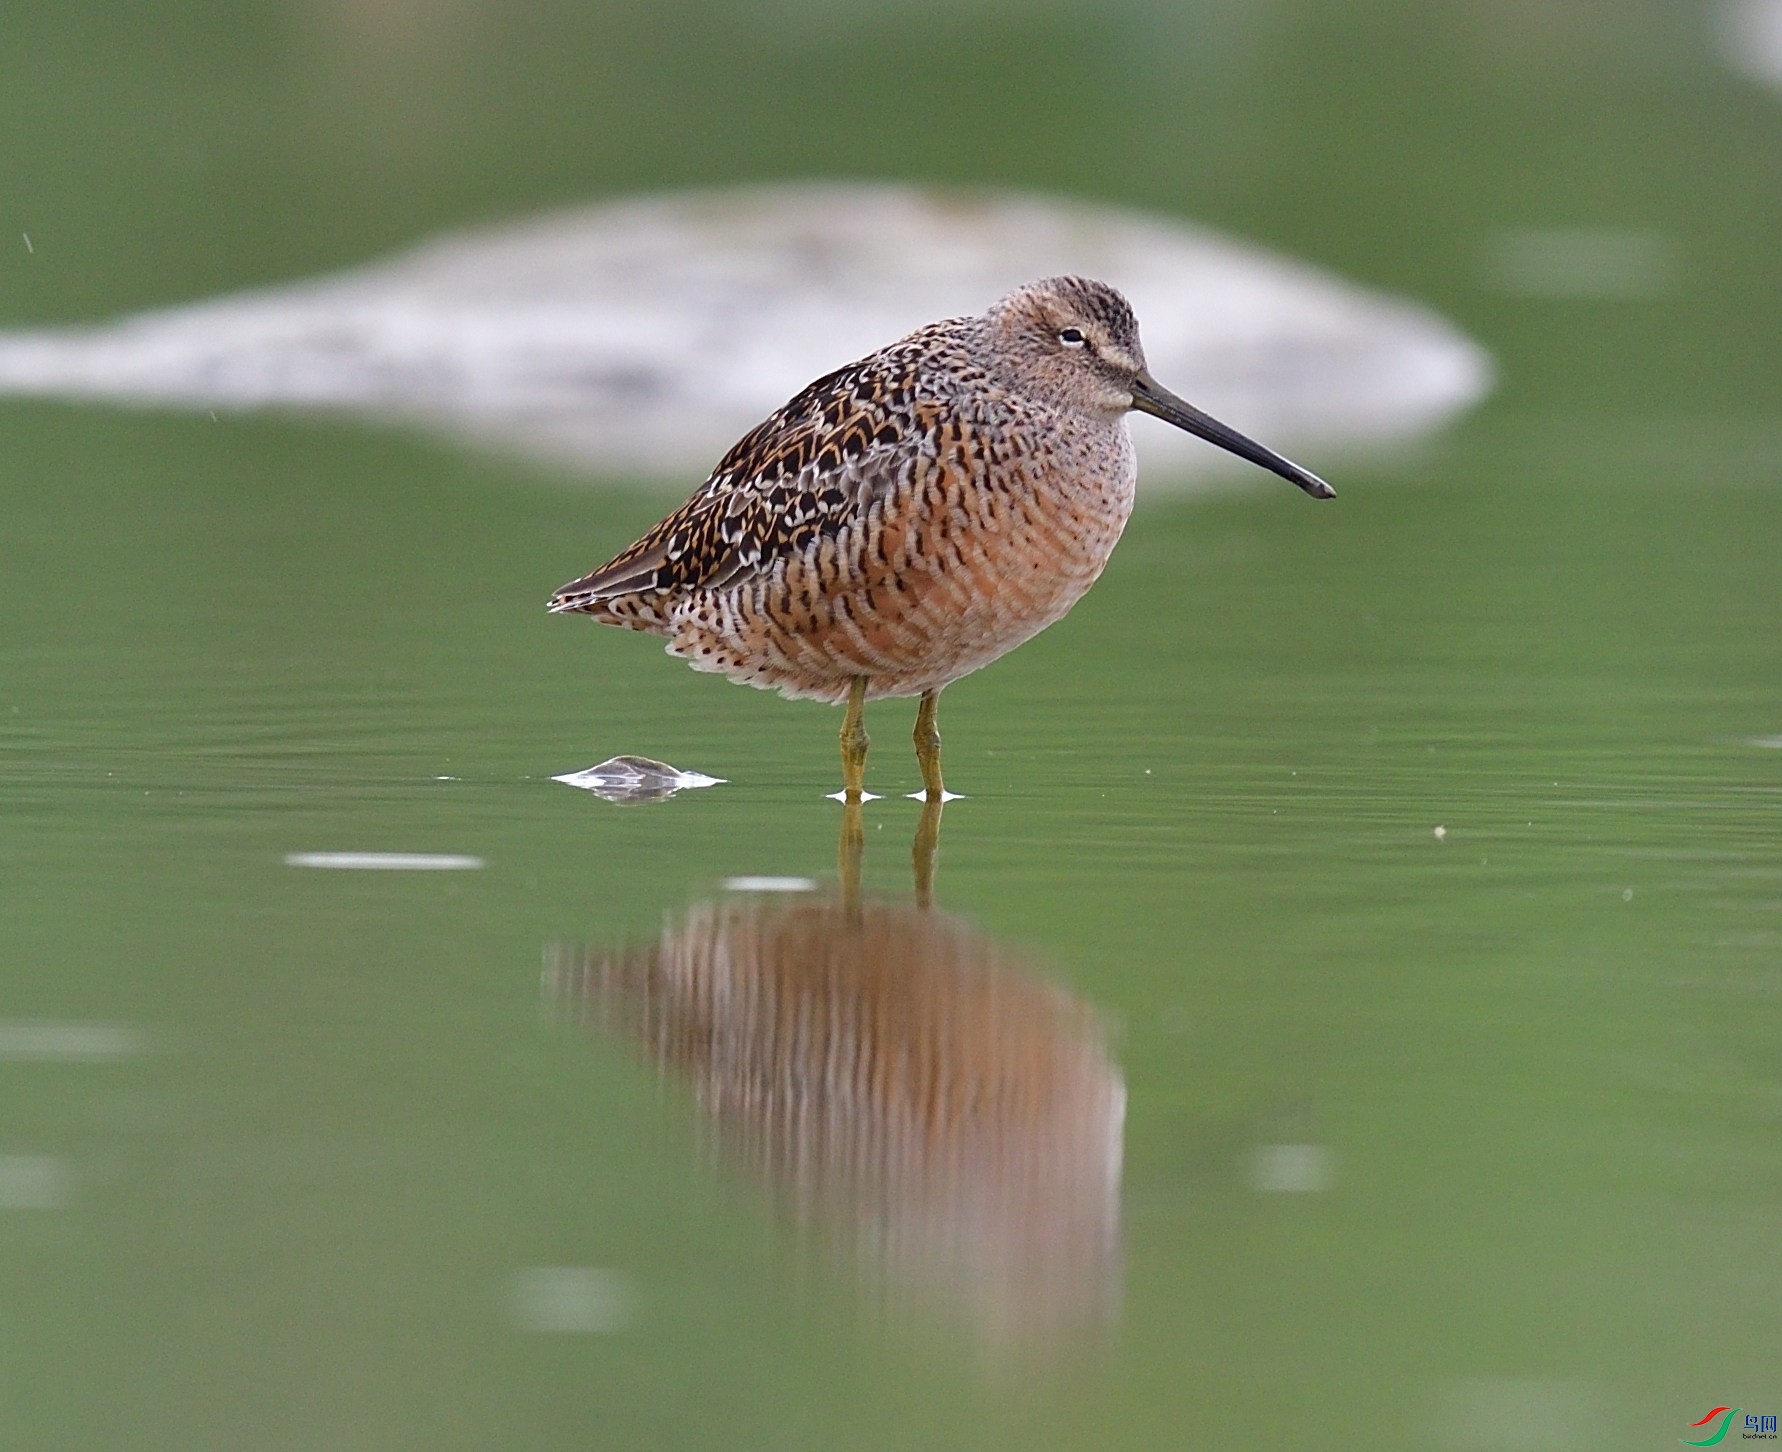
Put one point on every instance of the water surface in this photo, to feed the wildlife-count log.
(1413, 863)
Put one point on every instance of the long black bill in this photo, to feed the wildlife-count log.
(1149, 396)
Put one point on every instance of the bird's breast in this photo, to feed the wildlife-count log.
(977, 545)
(986, 547)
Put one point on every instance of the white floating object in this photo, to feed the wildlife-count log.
(1292, 1168)
(636, 779)
(1751, 38)
(47, 1041)
(1580, 262)
(1441, 833)
(34, 1182)
(570, 1299)
(1518, 1414)
(647, 335)
(770, 884)
(384, 861)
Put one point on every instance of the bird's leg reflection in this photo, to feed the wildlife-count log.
(849, 854)
(912, 1092)
(925, 850)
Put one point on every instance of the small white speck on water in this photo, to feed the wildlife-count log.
(34, 1182)
(1580, 262)
(384, 861)
(28, 247)
(570, 1299)
(1441, 834)
(68, 1041)
(1627, 894)
(1292, 1168)
(1750, 35)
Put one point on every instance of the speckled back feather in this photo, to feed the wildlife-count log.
(803, 473)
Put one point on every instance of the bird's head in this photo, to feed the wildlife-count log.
(1074, 343)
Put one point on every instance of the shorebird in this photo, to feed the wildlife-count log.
(911, 517)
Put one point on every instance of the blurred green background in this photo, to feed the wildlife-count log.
(1538, 1057)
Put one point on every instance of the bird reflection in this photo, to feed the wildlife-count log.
(905, 1085)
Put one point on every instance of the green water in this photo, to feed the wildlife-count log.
(1532, 1063)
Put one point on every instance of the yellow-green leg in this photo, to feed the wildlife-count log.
(848, 854)
(927, 736)
(854, 742)
(926, 846)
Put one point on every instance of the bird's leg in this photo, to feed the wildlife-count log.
(854, 741)
(927, 736)
(926, 847)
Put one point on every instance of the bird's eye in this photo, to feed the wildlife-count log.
(1072, 338)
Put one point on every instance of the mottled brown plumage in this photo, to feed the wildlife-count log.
(907, 519)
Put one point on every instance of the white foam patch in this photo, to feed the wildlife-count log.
(1750, 33)
(1580, 262)
(1513, 1414)
(770, 884)
(51, 1041)
(647, 335)
(385, 861)
(570, 1299)
(1292, 1168)
(1769, 743)
(34, 1182)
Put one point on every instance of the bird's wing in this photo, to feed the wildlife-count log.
(809, 469)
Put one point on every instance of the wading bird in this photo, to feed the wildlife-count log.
(906, 520)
